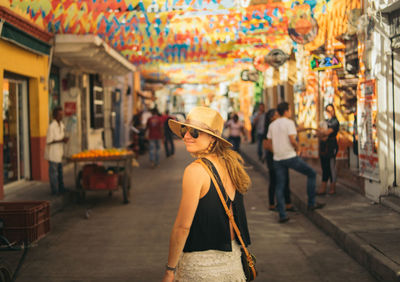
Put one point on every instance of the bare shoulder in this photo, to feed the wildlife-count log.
(195, 170)
(194, 178)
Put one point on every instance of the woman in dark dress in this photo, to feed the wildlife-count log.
(203, 244)
(328, 148)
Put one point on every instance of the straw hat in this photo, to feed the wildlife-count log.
(203, 119)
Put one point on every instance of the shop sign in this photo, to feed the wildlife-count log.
(367, 134)
(69, 108)
(324, 63)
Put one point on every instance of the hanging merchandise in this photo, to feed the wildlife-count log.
(249, 75)
(306, 105)
(260, 64)
(367, 134)
(259, 88)
(276, 58)
(302, 27)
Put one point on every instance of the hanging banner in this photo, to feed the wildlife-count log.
(367, 135)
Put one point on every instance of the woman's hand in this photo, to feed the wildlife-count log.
(169, 276)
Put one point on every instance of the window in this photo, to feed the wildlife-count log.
(96, 103)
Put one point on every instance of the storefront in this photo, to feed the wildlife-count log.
(16, 153)
(24, 65)
(332, 77)
(382, 62)
(96, 85)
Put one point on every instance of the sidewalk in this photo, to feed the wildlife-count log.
(40, 191)
(367, 231)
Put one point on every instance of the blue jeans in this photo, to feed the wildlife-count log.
(169, 145)
(56, 178)
(235, 140)
(298, 165)
(154, 151)
(260, 149)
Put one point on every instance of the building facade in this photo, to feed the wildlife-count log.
(24, 70)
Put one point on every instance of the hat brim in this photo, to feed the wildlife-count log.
(175, 127)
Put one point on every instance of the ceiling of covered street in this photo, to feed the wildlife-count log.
(184, 41)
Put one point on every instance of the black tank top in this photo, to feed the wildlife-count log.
(210, 226)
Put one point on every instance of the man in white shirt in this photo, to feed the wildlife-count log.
(281, 136)
(55, 140)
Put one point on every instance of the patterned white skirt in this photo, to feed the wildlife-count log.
(211, 265)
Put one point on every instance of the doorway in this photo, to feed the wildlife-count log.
(16, 153)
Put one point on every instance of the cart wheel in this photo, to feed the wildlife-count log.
(5, 272)
(83, 195)
(78, 185)
(79, 188)
(128, 191)
(129, 184)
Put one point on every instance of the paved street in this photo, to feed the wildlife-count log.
(104, 240)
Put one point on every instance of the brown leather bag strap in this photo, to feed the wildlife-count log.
(228, 212)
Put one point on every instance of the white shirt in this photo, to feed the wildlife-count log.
(55, 151)
(279, 131)
(260, 125)
(234, 128)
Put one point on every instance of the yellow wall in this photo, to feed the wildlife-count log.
(1, 104)
(20, 61)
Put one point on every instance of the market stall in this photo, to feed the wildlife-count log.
(102, 170)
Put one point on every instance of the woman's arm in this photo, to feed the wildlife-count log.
(324, 133)
(193, 180)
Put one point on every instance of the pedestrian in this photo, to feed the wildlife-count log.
(203, 245)
(155, 134)
(54, 151)
(134, 134)
(259, 124)
(272, 115)
(282, 141)
(328, 148)
(236, 129)
(168, 137)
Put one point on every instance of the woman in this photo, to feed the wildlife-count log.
(203, 245)
(328, 148)
(272, 115)
(236, 128)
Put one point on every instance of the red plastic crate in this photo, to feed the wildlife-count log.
(89, 170)
(25, 221)
(103, 181)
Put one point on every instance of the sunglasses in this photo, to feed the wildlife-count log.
(192, 131)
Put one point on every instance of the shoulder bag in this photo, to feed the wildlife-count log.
(248, 260)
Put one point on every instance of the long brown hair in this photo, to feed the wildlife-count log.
(234, 164)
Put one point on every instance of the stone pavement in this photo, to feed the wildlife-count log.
(367, 231)
(40, 191)
(118, 242)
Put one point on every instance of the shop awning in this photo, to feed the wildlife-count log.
(89, 53)
(23, 32)
(23, 39)
(391, 8)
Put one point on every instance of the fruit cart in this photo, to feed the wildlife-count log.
(95, 177)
